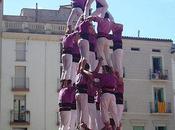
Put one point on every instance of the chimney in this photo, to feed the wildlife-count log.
(36, 13)
(138, 33)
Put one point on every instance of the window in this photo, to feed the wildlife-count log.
(160, 128)
(156, 50)
(158, 94)
(20, 51)
(159, 101)
(20, 76)
(135, 49)
(157, 71)
(138, 127)
(157, 64)
(19, 108)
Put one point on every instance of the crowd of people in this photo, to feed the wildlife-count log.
(91, 92)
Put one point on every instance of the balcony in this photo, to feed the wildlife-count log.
(34, 27)
(159, 75)
(160, 107)
(20, 84)
(19, 118)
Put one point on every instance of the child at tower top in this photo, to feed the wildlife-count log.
(77, 10)
(99, 11)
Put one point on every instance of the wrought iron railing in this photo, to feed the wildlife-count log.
(19, 117)
(159, 75)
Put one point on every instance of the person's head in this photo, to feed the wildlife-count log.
(62, 82)
(107, 69)
(67, 32)
(69, 82)
(106, 15)
(87, 66)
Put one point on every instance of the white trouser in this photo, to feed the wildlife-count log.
(67, 64)
(82, 106)
(99, 11)
(117, 60)
(108, 104)
(92, 116)
(104, 50)
(75, 12)
(92, 60)
(120, 108)
(65, 117)
(83, 45)
(74, 71)
(73, 123)
(100, 123)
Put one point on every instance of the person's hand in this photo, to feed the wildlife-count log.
(90, 18)
(81, 70)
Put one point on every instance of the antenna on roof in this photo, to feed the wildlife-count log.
(138, 33)
(36, 13)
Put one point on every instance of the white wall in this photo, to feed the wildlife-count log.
(8, 58)
(43, 74)
(42, 69)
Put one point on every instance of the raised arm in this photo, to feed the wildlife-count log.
(79, 66)
(98, 65)
(94, 18)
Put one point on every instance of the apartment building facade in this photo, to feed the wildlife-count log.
(1, 14)
(148, 84)
(30, 69)
(173, 70)
(30, 72)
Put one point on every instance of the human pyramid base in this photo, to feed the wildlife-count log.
(91, 92)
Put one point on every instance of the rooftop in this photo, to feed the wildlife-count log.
(147, 39)
(41, 15)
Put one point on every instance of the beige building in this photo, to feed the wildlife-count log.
(30, 71)
(173, 70)
(148, 84)
(30, 68)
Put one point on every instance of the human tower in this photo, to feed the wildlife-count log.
(91, 92)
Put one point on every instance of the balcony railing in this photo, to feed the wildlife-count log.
(19, 118)
(160, 107)
(20, 84)
(33, 27)
(159, 75)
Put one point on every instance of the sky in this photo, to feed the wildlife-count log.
(154, 18)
